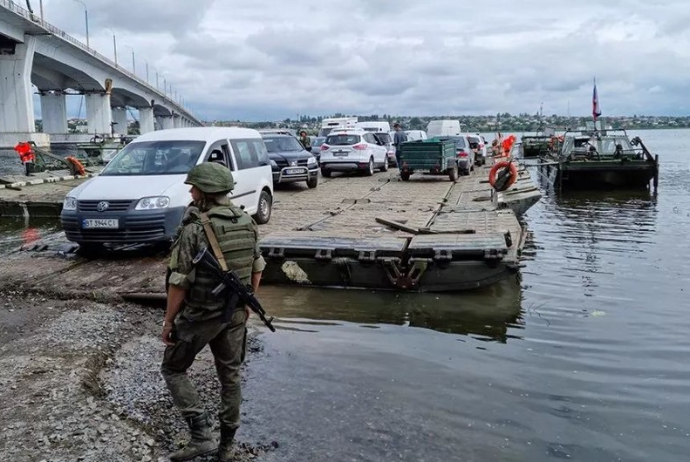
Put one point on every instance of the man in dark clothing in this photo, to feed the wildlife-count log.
(399, 138)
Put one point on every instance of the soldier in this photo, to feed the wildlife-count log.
(304, 139)
(202, 319)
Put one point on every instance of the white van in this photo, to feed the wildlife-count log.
(336, 122)
(140, 196)
(415, 135)
(374, 127)
(443, 128)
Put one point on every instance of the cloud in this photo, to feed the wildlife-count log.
(274, 59)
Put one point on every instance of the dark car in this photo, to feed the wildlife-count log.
(289, 161)
(316, 142)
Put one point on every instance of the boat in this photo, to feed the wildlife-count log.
(101, 149)
(534, 146)
(595, 158)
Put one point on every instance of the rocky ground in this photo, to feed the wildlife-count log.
(80, 381)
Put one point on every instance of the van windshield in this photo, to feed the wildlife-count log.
(155, 158)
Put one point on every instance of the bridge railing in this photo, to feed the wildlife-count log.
(10, 5)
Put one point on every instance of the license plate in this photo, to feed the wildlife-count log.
(340, 153)
(88, 223)
(295, 171)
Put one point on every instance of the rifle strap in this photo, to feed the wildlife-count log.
(213, 241)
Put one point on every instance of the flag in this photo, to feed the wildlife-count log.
(596, 110)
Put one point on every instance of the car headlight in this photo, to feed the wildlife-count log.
(152, 203)
(311, 161)
(70, 203)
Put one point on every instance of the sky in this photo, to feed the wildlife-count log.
(274, 59)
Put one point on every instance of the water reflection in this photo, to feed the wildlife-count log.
(15, 232)
(486, 314)
(617, 222)
(592, 240)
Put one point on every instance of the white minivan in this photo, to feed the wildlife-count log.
(372, 126)
(140, 196)
(443, 128)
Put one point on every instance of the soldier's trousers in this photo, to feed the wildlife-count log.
(227, 342)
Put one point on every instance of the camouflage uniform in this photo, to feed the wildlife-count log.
(199, 322)
(305, 140)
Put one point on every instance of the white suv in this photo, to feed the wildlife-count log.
(347, 150)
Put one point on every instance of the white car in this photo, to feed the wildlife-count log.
(140, 196)
(347, 150)
(478, 145)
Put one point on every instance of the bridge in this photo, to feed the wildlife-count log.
(35, 52)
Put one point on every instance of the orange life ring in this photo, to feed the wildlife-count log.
(494, 173)
(78, 167)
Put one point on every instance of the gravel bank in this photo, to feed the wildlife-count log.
(80, 381)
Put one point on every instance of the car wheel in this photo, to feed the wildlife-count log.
(263, 211)
(313, 182)
(326, 173)
(385, 164)
(91, 249)
(370, 167)
(453, 174)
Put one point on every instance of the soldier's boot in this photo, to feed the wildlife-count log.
(227, 438)
(202, 442)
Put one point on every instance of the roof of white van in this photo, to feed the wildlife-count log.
(209, 134)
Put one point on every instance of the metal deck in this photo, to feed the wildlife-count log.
(379, 232)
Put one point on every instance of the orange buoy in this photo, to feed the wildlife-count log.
(78, 167)
(493, 175)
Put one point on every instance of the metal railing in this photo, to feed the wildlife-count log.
(26, 14)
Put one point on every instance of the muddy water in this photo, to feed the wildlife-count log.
(584, 358)
(14, 232)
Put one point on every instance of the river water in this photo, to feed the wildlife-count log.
(582, 358)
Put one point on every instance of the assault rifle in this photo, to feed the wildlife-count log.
(237, 292)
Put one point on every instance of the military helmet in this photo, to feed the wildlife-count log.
(211, 178)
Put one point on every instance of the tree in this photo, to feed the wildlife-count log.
(416, 124)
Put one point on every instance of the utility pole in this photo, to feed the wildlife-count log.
(86, 20)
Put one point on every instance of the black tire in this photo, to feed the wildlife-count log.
(313, 182)
(385, 165)
(91, 249)
(370, 167)
(405, 176)
(326, 173)
(453, 174)
(263, 210)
